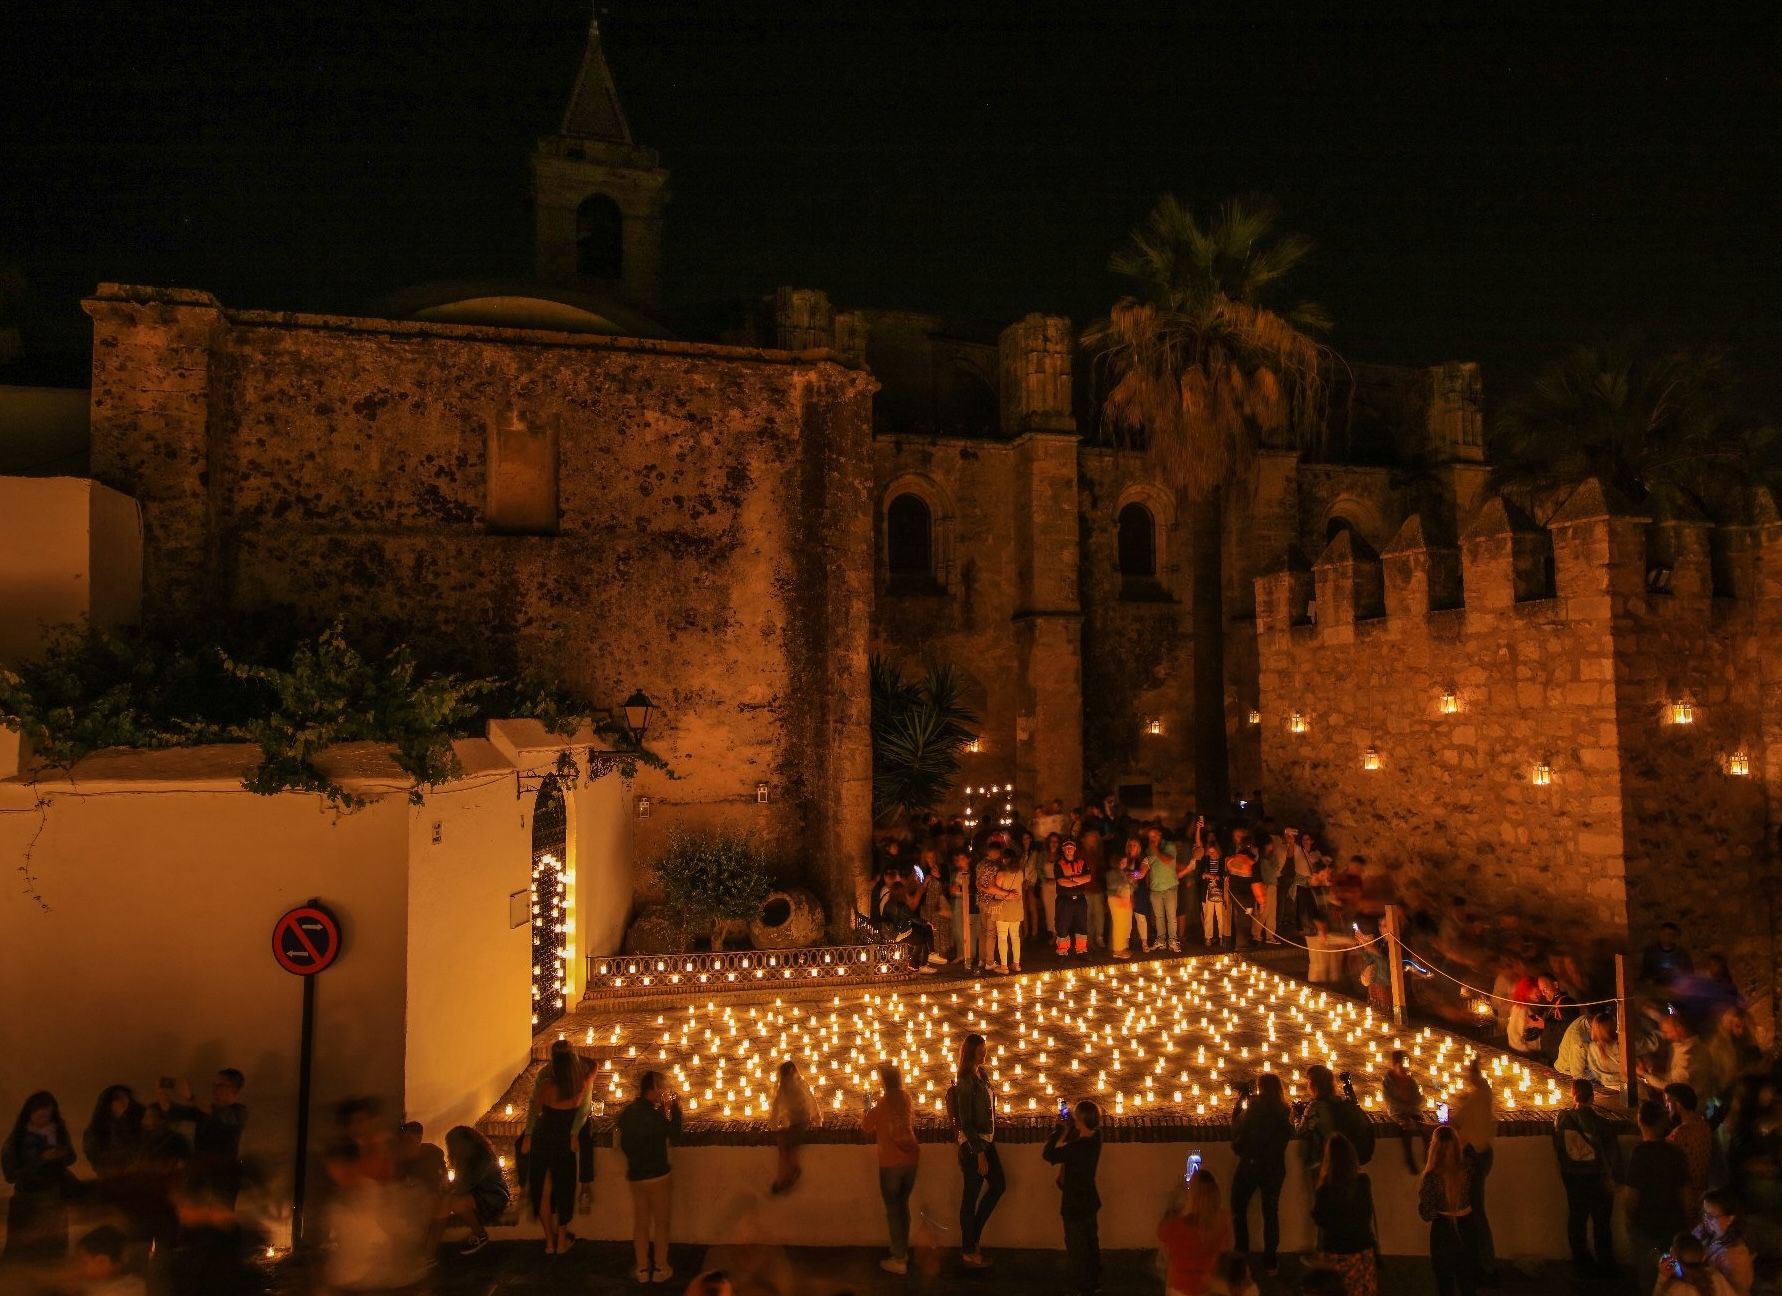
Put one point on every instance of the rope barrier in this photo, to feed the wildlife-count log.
(1422, 961)
(1288, 940)
(1486, 994)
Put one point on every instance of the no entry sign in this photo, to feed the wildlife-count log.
(306, 940)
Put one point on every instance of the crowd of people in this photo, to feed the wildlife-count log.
(1700, 1190)
(1098, 882)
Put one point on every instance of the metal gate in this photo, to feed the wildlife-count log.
(550, 905)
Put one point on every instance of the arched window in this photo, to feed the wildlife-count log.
(1138, 543)
(599, 238)
(909, 538)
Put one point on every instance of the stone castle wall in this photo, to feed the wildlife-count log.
(1555, 654)
(707, 504)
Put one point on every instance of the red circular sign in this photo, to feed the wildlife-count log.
(306, 940)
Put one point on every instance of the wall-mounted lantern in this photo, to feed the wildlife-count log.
(1370, 759)
(643, 807)
(1450, 702)
(1296, 723)
(637, 715)
(1255, 716)
(760, 794)
(1681, 713)
(974, 745)
(1154, 728)
(1739, 764)
(1541, 775)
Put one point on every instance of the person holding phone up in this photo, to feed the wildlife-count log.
(1075, 1148)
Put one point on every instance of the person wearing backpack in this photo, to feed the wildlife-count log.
(1589, 1165)
(1328, 1113)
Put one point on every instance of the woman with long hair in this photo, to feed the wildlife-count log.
(558, 1110)
(1262, 1128)
(891, 1123)
(972, 1105)
(649, 1123)
(1343, 1210)
(113, 1137)
(1194, 1234)
(35, 1160)
(1445, 1200)
(478, 1195)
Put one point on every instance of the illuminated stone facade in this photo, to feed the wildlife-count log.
(538, 475)
(1522, 694)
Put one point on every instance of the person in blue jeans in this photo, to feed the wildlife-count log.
(972, 1104)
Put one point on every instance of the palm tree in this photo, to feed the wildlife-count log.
(1199, 365)
(1644, 424)
(918, 730)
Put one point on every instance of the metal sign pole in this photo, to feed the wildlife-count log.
(305, 1049)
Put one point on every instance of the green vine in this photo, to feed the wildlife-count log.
(93, 689)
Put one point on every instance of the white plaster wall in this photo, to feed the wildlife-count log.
(469, 972)
(720, 1195)
(601, 819)
(155, 954)
(70, 549)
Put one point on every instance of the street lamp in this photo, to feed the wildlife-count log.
(637, 715)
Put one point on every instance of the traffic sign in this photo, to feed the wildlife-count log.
(306, 940)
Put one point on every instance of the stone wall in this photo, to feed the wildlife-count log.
(1463, 675)
(704, 499)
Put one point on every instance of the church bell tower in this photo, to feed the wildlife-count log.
(597, 197)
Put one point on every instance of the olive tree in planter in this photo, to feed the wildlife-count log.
(711, 878)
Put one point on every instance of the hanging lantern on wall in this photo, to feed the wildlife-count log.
(637, 715)
(1370, 759)
(643, 807)
(1739, 764)
(1296, 723)
(1255, 716)
(1681, 713)
(1450, 702)
(1154, 728)
(974, 745)
(1542, 774)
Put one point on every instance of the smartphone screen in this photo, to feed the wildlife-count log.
(1193, 1167)
(1442, 1112)
(1063, 1110)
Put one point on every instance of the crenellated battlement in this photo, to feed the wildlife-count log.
(1569, 721)
(1599, 557)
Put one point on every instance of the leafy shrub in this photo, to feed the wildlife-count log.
(710, 877)
(92, 689)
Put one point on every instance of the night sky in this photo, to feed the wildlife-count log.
(1476, 188)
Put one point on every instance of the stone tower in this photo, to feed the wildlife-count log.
(597, 197)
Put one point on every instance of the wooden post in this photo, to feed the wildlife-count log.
(1621, 1032)
(1396, 955)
